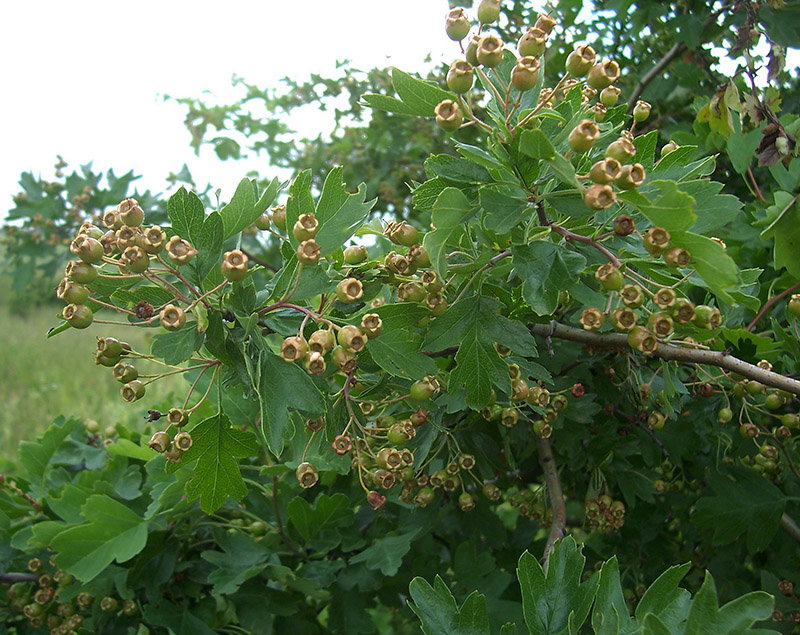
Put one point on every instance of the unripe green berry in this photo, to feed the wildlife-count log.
(624, 225)
(351, 338)
(321, 341)
(314, 363)
(127, 237)
(262, 222)
(665, 298)
(425, 496)
(182, 441)
(349, 290)
(422, 390)
(622, 150)
(132, 391)
(460, 77)
(580, 61)
(724, 415)
(490, 51)
(545, 22)
(79, 316)
(632, 296)
(308, 252)
(448, 115)
(707, 317)
(371, 325)
(603, 74)
(641, 111)
(794, 304)
(177, 417)
(661, 324)
(655, 240)
(307, 475)
(668, 147)
(532, 43)
(457, 25)
(599, 196)
(583, 136)
(488, 11)
(294, 348)
(605, 171)
(609, 96)
(234, 265)
(623, 319)
(153, 240)
(279, 217)
(471, 52)
(88, 249)
(72, 292)
(124, 372)
(130, 213)
(525, 73)
(180, 251)
(355, 254)
(630, 176)
(160, 442)
(465, 502)
(344, 358)
(305, 227)
(592, 319)
(642, 340)
(80, 272)
(610, 277)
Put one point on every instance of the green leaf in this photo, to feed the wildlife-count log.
(549, 600)
(747, 503)
(479, 367)
(437, 609)
(425, 194)
(397, 352)
(504, 207)
(784, 228)
(318, 525)
(177, 346)
(216, 446)
(389, 104)
(209, 247)
(610, 613)
(148, 293)
(781, 24)
(664, 592)
(35, 456)
(673, 209)
(186, 213)
(449, 212)
(338, 213)
(283, 386)
(711, 262)
(564, 170)
(112, 533)
(299, 202)
(385, 554)
(456, 170)
(536, 145)
(646, 149)
(241, 558)
(545, 269)
(742, 149)
(712, 208)
(420, 95)
(126, 447)
(243, 209)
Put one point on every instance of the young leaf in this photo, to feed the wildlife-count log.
(710, 260)
(243, 209)
(418, 94)
(241, 558)
(673, 209)
(177, 346)
(318, 525)
(186, 213)
(282, 386)
(449, 212)
(397, 352)
(209, 247)
(112, 532)
(35, 456)
(663, 593)
(536, 145)
(437, 609)
(216, 446)
(546, 268)
(339, 213)
(549, 600)
(748, 504)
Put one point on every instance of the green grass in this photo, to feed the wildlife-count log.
(42, 378)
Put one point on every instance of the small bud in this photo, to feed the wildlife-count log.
(624, 225)
(132, 391)
(641, 111)
(580, 61)
(525, 73)
(355, 254)
(130, 213)
(457, 25)
(592, 319)
(490, 51)
(532, 43)
(180, 251)
(630, 176)
(135, 259)
(448, 115)
(79, 316)
(294, 348)
(609, 96)
(599, 196)
(351, 337)
(234, 265)
(153, 240)
(488, 11)
(308, 252)
(306, 227)
(182, 441)
(279, 216)
(80, 272)
(71, 292)
(584, 136)
(622, 150)
(602, 75)
(307, 475)
(655, 240)
(172, 317)
(371, 325)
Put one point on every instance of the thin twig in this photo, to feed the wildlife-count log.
(768, 304)
(548, 464)
(11, 578)
(790, 527)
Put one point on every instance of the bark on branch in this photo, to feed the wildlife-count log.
(556, 496)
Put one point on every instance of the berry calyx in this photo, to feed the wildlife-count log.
(490, 51)
(349, 290)
(172, 317)
(307, 475)
(624, 225)
(160, 442)
(632, 296)
(234, 265)
(592, 318)
(182, 441)
(153, 240)
(599, 196)
(177, 417)
(623, 319)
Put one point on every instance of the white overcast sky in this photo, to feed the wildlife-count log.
(85, 78)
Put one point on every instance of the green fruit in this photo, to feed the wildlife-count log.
(79, 316)
(460, 77)
(773, 401)
(80, 272)
(794, 304)
(421, 390)
(262, 222)
(448, 115)
(355, 254)
(724, 415)
(488, 11)
(457, 25)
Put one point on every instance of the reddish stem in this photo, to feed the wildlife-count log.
(768, 304)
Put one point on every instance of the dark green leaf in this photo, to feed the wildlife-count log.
(418, 94)
(339, 214)
(546, 269)
(437, 610)
(710, 260)
(385, 554)
(244, 209)
(504, 207)
(673, 209)
(397, 352)
(536, 145)
(186, 213)
(177, 346)
(35, 456)
(215, 448)
(449, 212)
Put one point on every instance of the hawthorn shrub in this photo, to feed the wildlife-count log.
(573, 339)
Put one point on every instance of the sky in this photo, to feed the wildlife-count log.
(86, 79)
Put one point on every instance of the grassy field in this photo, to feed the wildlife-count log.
(41, 378)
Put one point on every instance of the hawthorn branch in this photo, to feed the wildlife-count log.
(671, 352)
(11, 578)
(790, 527)
(548, 464)
(768, 304)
